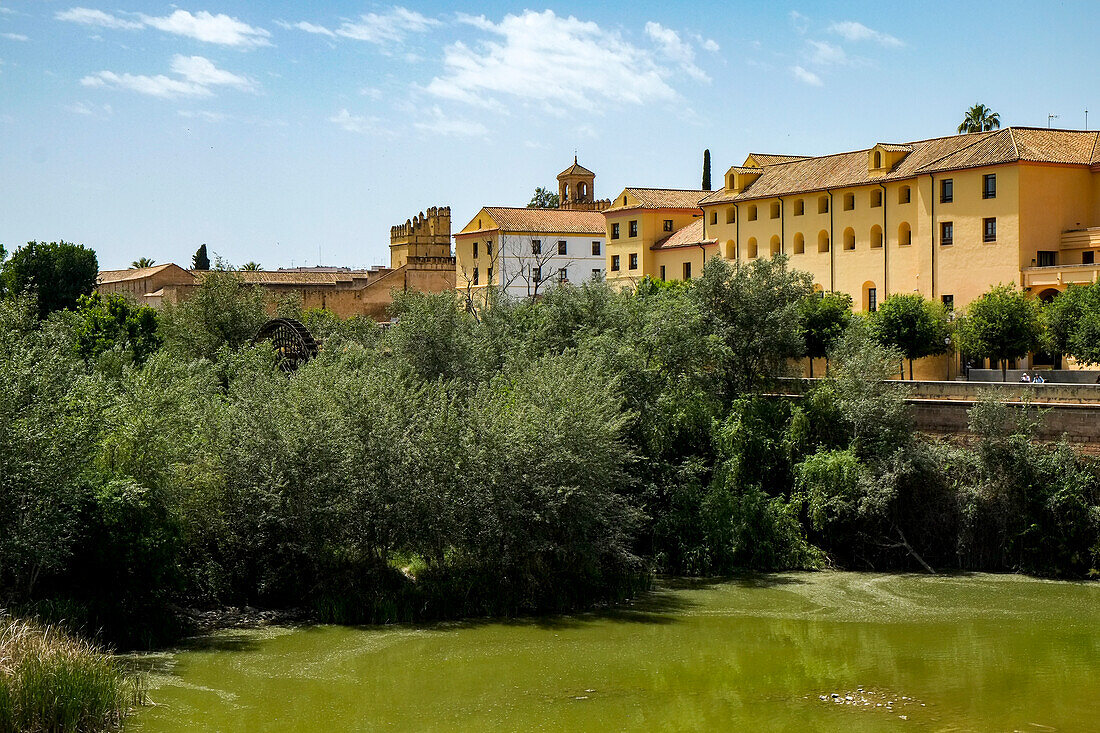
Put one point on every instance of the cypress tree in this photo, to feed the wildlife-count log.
(200, 261)
(706, 169)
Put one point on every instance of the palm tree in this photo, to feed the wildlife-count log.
(980, 118)
(142, 262)
(252, 266)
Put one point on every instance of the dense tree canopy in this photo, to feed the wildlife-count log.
(823, 318)
(543, 198)
(1072, 323)
(57, 273)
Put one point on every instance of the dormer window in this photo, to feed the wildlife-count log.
(877, 160)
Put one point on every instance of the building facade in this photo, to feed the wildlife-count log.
(420, 260)
(522, 252)
(639, 225)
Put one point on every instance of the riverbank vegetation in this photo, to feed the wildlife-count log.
(53, 682)
(472, 461)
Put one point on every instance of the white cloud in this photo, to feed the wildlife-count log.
(392, 25)
(155, 86)
(711, 45)
(827, 54)
(90, 110)
(353, 123)
(675, 49)
(87, 16)
(198, 75)
(202, 71)
(808, 77)
(14, 36)
(544, 58)
(307, 27)
(801, 22)
(441, 124)
(854, 31)
(203, 26)
(202, 115)
(6, 11)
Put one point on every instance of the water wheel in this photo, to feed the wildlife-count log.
(293, 342)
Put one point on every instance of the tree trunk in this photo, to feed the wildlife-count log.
(811, 367)
(1004, 370)
(910, 370)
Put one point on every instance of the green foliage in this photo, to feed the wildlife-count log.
(251, 266)
(142, 262)
(979, 118)
(1002, 324)
(432, 336)
(750, 311)
(223, 312)
(1072, 323)
(543, 198)
(201, 260)
(822, 319)
(58, 273)
(914, 326)
(51, 682)
(113, 322)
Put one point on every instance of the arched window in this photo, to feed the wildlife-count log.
(752, 213)
(583, 189)
(752, 253)
(823, 205)
(776, 245)
(905, 195)
(799, 207)
(823, 241)
(799, 244)
(905, 234)
(849, 238)
(878, 159)
(479, 223)
(731, 250)
(876, 237)
(565, 191)
(729, 182)
(870, 297)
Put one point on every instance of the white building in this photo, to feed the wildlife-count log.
(522, 252)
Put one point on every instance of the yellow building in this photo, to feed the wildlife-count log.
(521, 252)
(947, 217)
(640, 221)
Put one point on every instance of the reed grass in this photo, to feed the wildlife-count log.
(54, 682)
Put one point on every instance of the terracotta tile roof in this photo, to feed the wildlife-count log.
(895, 148)
(278, 277)
(689, 236)
(839, 170)
(136, 273)
(546, 221)
(663, 198)
(771, 159)
(576, 170)
(749, 168)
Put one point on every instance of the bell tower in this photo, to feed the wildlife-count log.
(575, 186)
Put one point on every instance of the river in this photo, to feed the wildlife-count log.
(785, 652)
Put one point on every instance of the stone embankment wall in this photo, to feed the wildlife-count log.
(1071, 411)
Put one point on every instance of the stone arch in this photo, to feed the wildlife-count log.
(870, 296)
(582, 190)
(799, 244)
(1049, 294)
(849, 238)
(823, 241)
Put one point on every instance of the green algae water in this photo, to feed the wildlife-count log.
(786, 652)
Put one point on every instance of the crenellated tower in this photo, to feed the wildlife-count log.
(427, 235)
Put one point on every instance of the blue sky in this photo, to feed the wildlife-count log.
(284, 132)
